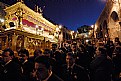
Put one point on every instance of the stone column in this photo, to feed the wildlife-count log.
(25, 42)
(14, 41)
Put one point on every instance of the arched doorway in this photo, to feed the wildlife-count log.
(114, 16)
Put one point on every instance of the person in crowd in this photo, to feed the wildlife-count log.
(82, 57)
(73, 72)
(12, 71)
(74, 48)
(67, 46)
(47, 52)
(37, 52)
(63, 50)
(112, 47)
(90, 49)
(117, 63)
(102, 66)
(43, 70)
(26, 64)
(109, 47)
(52, 61)
(53, 50)
(59, 62)
(117, 41)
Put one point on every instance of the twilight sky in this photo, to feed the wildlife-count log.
(69, 13)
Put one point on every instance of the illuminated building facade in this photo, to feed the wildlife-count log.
(25, 28)
(64, 34)
(108, 24)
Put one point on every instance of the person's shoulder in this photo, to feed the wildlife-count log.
(54, 77)
(78, 67)
(12, 63)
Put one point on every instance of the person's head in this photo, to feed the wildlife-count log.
(54, 46)
(7, 54)
(42, 67)
(74, 47)
(37, 52)
(70, 59)
(47, 52)
(58, 55)
(116, 39)
(82, 48)
(24, 54)
(111, 43)
(66, 45)
(101, 50)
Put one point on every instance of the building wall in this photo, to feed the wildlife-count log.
(110, 18)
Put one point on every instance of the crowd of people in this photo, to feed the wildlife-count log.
(73, 61)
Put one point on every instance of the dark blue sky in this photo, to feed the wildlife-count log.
(69, 13)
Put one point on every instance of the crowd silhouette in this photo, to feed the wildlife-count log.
(72, 61)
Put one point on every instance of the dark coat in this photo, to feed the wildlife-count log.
(12, 72)
(77, 74)
(27, 70)
(54, 77)
(83, 59)
(101, 68)
(1, 72)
